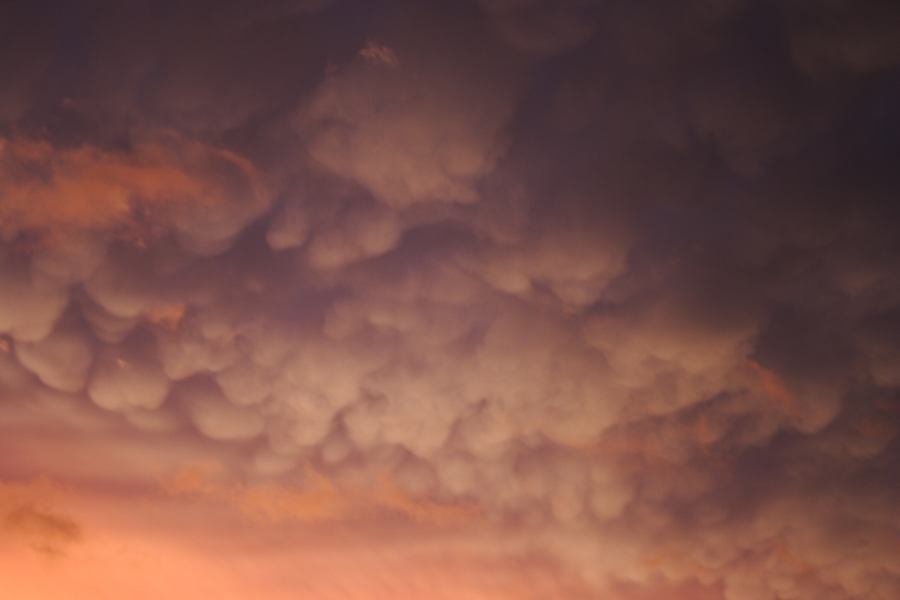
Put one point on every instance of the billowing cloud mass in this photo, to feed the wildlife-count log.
(526, 299)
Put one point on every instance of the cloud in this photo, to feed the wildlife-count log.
(214, 416)
(846, 38)
(30, 303)
(573, 265)
(169, 183)
(46, 532)
(540, 27)
(615, 284)
(444, 134)
(61, 360)
(26, 519)
(318, 499)
(124, 381)
(357, 235)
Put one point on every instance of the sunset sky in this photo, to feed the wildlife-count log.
(450, 300)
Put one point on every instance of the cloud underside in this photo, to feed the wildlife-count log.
(619, 285)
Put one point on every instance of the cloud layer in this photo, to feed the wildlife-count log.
(617, 284)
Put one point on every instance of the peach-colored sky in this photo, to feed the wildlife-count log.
(147, 545)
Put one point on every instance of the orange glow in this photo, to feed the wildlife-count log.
(168, 316)
(145, 547)
(319, 500)
(43, 188)
(775, 388)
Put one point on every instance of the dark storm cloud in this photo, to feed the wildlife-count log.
(621, 274)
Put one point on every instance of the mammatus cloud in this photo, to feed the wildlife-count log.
(443, 123)
(599, 292)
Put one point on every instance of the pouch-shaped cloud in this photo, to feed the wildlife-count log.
(30, 303)
(412, 132)
(573, 264)
(126, 380)
(358, 234)
(61, 360)
(214, 416)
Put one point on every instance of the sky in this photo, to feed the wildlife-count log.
(458, 300)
